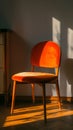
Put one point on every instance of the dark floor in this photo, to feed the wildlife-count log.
(30, 117)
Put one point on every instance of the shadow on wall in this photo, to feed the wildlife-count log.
(68, 70)
(67, 62)
(24, 17)
(3, 22)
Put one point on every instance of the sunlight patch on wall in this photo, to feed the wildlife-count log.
(69, 94)
(56, 30)
(56, 37)
(70, 43)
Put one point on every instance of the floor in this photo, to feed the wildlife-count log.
(30, 117)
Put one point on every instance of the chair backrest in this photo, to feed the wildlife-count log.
(46, 54)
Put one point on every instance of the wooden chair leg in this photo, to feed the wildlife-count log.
(13, 96)
(58, 93)
(33, 96)
(44, 102)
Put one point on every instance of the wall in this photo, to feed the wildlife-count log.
(31, 20)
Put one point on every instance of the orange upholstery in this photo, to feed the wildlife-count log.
(44, 54)
(28, 76)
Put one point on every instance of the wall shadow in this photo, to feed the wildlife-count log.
(68, 69)
(33, 23)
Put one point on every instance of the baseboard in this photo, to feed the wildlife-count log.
(38, 99)
(2, 98)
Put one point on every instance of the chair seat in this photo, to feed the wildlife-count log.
(34, 77)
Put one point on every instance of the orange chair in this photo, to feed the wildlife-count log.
(47, 55)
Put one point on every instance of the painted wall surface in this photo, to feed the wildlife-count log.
(39, 20)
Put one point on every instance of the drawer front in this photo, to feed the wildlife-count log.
(1, 56)
(2, 81)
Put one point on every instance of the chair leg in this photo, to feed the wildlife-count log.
(33, 96)
(44, 102)
(58, 93)
(13, 96)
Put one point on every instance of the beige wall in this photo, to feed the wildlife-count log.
(31, 20)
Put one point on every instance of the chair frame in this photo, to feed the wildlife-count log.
(53, 80)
